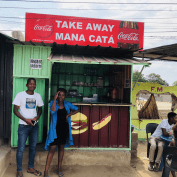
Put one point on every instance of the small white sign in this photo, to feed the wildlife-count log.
(36, 63)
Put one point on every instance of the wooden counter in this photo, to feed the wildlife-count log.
(103, 104)
(112, 133)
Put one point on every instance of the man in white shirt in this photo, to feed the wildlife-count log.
(163, 128)
(28, 116)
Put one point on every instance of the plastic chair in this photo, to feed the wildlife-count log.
(169, 164)
(150, 128)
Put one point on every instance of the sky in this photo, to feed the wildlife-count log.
(159, 17)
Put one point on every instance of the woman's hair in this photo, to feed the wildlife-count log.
(62, 90)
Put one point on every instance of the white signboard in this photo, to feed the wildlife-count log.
(36, 63)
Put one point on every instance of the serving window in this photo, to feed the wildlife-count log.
(92, 83)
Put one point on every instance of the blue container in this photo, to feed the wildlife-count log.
(132, 128)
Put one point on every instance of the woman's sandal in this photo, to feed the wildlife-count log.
(60, 174)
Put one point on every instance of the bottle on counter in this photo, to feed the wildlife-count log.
(114, 94)
(108, 96)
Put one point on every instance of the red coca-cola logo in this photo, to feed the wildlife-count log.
(43, 28)
(129, 37)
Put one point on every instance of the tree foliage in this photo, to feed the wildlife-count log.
(151, 78)
(156, 78)
(139, 76)
(174, 83)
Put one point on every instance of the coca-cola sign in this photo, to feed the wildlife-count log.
(129, 37)
(83, 31)
(43, 28)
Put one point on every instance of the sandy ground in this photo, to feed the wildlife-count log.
(138, 168)
(160, 105)
(140, 164)
(80, 171)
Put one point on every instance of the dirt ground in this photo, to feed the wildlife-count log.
(138, 168)
(140, 164)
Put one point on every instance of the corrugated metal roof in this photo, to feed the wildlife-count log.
(81, 50)
(95, 60)
(54, 44)
(166, 52)
(6, 36)
(111, 55)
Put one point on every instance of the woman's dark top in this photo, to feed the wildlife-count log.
(62, 128)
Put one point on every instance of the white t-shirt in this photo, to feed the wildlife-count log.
(28, 105)
(163, 124)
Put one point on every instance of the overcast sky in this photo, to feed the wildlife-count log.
(159, 16)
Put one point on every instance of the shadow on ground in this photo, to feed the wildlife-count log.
(138, 168)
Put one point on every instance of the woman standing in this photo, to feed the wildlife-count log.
(59, 135)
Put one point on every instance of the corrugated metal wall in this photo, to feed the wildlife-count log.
(113, 134)
(6, 70)
(22, 71)
(22, 56)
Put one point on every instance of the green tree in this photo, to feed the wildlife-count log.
(139, 76)
(174, 83)
(156, 78)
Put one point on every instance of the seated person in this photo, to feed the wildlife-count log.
(173, 143)
(163, 128)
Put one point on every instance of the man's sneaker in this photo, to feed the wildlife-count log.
(156, 167)
(150, 167)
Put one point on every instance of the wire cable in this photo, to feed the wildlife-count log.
(160, 31)
(79, 18)
(6, 21)
(146, 28)
(145, 37)
(70, 2)
(48, 8)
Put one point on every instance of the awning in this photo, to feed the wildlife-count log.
(95, 60)
(166, 52)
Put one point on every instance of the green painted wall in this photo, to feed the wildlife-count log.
(140, 127)
(19, 84)
(21, 72)
(21, 61)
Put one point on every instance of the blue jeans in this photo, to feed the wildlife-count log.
(23, 132)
